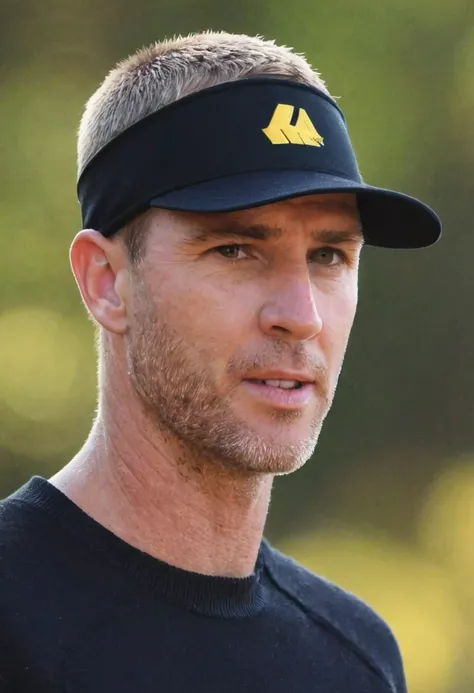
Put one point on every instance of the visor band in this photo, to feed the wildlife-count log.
(259, 124)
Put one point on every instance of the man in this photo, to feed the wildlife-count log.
(224, 217)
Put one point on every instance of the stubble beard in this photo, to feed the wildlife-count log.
(180, 397)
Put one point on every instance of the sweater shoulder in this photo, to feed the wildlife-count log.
(357, 625)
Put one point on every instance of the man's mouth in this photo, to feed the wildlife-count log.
(283, 384)
(281, 393)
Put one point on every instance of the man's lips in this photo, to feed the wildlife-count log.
(299, 376)
(279, 397)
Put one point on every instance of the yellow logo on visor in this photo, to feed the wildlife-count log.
(281, 131)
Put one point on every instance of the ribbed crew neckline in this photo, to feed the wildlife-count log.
(210, 595)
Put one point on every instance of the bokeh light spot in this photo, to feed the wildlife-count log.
(38, 362)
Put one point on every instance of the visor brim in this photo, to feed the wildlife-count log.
(389, 219)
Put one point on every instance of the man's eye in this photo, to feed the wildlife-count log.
(233, 251)
(327, 256)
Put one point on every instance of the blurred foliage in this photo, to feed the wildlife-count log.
(386, 508)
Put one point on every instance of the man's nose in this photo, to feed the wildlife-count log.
(292, 311)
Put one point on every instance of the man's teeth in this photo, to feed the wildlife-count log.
(285, 384)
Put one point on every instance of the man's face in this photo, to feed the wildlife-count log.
(228, 310)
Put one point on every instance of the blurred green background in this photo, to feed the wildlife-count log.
(386, 507)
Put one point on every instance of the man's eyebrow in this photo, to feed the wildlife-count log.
(259, 232)
(333, 237)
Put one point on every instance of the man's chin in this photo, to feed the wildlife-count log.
(270, 444)
(271, 455)
(281, 466)
(286, 432)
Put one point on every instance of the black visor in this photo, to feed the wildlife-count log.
(239, 145)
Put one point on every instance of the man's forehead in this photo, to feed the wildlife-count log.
(331, 218)
(271, 227)
(328, 211)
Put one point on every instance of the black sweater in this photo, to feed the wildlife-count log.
(81, 611)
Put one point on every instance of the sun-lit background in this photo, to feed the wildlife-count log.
(386, 507)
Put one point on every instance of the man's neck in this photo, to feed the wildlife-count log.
(199, 517)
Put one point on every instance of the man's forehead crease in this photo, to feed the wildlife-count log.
(264, 232)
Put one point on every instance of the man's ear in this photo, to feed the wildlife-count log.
(100, 268)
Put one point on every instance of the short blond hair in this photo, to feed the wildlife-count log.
(166, 71)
